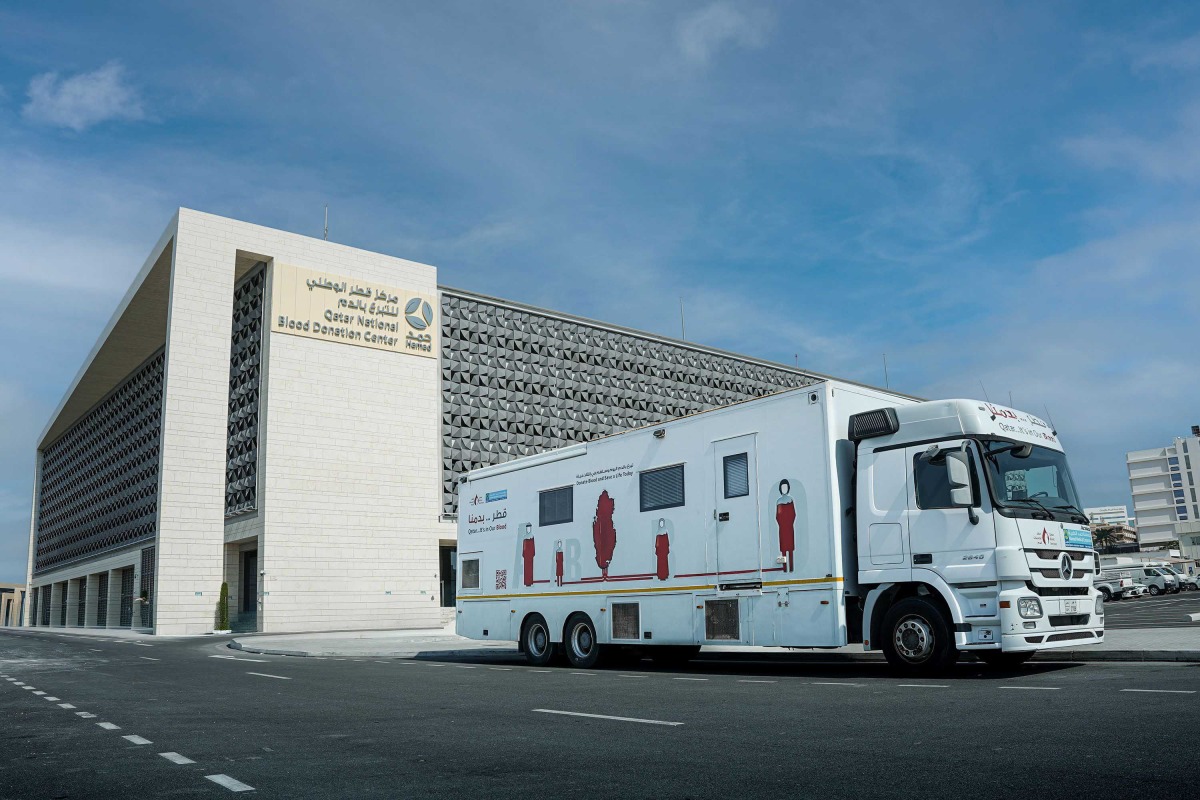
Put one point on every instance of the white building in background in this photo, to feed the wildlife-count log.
(1164, 486)
(1109, 515)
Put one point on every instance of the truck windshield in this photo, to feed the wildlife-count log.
(1040, 482)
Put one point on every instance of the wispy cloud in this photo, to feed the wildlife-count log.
(80, 101)
(1171, 157)
(702, 34)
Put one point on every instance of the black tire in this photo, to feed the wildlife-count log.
(579, 641)
(917, 639)
(999, 660)
(535, 641)
(1107, 595)
(1154, 591)
(671, 655)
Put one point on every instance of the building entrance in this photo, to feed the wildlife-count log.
(248, 603)
(449, 575)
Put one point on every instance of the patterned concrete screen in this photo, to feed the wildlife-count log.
(517, 381)
(99, 480)
(245, 362)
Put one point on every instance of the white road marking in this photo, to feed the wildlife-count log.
(85, 714)
(587, 674)
(434, 665)
(51, 699)
(1034, 688)
(229, 783)
(605, 716)
(95, 650)
(631, 676)
(143, 644)
(689, 679)
(235, 658)
(148, 658)
(265, 675)
(749, 681)
(108, 726)
(501, 669)
(541, 670)
(834, 683)
(175, 758)
(1161, 691)
(464, 666)
(136, 740)
(923, 685)
(29, 688)
(65, 705)
(39, 692)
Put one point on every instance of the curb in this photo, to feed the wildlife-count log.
(1081, 656)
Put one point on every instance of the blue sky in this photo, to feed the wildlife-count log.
(991, 193)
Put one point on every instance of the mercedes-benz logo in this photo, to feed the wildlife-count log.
(1065, 567)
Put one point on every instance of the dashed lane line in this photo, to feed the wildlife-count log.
(232, 784)
(924, 685)
(689, 679)
(39, 692)
(1034, 688)
(95, 650)
(136, 740)
(606, 716)
(750, 681)
(587, 674)
(108, 726)
(148, 658)
(85, 714)
(235, 658)
(51, 699)
(65, 705)
(1161, 691)
(265, 675)
(175, 758)
(501, 669)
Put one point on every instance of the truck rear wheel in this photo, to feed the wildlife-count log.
(999, 660)
(917, 638)
(535, 641)
(583, 651)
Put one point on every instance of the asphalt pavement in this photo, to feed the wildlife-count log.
(1163, 611)
(97, 717)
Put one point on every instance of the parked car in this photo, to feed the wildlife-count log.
(1155, 580)
(1116, 584)
(1185, 581)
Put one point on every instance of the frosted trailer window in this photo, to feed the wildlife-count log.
(470, 573)
(662, 488)
(737, 475)
(556, 506)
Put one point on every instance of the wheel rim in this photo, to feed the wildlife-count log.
(1153, 590)
(914, 639)
(537, 642)
(582, 640)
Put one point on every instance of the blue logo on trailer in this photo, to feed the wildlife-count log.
(493, 496)
(1077, 538)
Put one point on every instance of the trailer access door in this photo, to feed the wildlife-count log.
(735, 465)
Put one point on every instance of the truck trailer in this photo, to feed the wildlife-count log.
(811, 518)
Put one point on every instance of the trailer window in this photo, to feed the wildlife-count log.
(662, 488)
(556, 506)
(470, 573)
(737, 475)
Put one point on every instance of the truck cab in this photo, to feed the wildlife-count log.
(970, 536)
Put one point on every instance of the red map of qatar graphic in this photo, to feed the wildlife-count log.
(604, 535)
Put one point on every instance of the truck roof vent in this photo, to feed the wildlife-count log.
(870, 424)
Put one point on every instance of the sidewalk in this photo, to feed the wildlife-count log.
(1139, 644)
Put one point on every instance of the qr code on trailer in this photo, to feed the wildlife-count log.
(501, 579)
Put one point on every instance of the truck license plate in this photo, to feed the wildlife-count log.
(1070, 606)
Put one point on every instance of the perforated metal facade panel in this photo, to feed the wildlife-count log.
(517, 382)
(146, 589)
(102, 601)
(126, 620)
(99, 480)
(245, 361)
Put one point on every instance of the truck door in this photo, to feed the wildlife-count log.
(735, 465)
(943, 538)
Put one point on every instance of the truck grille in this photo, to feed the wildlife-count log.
(1053, 573)
(1068, 620)
(1057, 591)
(1062, 637)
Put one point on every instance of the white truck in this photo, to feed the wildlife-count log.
(811, 518)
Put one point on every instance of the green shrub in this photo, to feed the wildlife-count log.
(223, 608)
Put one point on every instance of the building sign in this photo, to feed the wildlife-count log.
(320, 305)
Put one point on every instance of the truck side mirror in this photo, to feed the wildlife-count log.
(958, 470)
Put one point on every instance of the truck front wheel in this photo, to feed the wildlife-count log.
(583, 651)
(535, 640)
(917, 637)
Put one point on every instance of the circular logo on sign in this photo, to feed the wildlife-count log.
(418, 313)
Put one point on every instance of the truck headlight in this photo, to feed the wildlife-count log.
(1100, 606)
(1029, 607)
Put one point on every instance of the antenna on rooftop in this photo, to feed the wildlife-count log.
(886, 381)
(1050, 419)
(1010, 405)
(326, 222)
(682, 322)
(985, 397)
